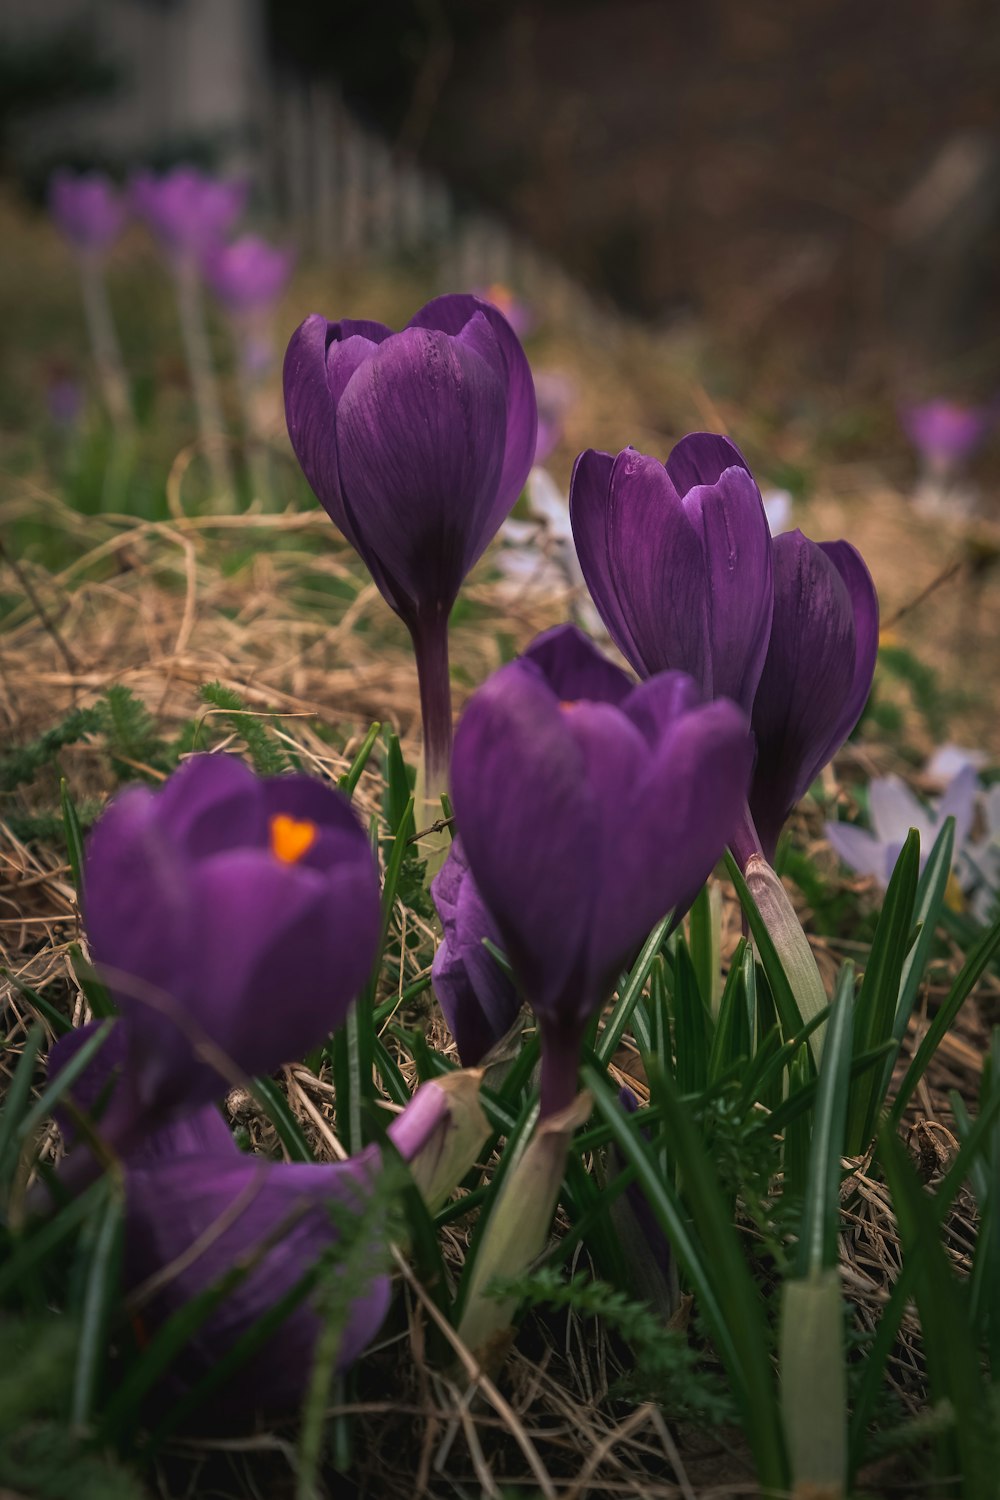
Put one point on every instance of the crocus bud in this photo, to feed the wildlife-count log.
(234, 919)
(417, 444)
(249, 275)
(584, 822)
(188, 211)
(87, 208)
(677, 558)
(440, 1134)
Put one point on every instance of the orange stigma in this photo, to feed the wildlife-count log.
(290, 839)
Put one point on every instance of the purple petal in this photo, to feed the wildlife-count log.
(476, 996)
(212, 802)
(737, 544)
(450, 314)
(589, 499)
(809, 686)
(655, 705)
(98, 1079)
(864, 604)
(657, 564)
(517, 768)
(136, 902)
(202, 1215)
(672, 819)
(702, 458)
(310, 414)
(574, 668)
(420, 430)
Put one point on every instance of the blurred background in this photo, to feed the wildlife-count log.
(781, 221)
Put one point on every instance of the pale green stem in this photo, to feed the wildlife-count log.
(104, 343)
(191, 307)
(791, 943)
(814, 1384)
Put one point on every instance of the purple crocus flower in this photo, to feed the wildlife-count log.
(188, 211)
(677, 558)
(584, 820)
(946, 434)
(477, 996)
(234, 919)
(87, 208)
(681, 565)
(417, 443)
(249, 275)
(197, 1207)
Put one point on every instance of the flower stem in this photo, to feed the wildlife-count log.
(746, 840)
(430, 646)
(191, 308)
(104, 343)
(560, 1067)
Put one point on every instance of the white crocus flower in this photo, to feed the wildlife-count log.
(894, 810)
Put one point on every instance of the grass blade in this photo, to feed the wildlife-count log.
(965, 982)
(878, 999)
(789, 1014)
(727, 1297)
(952, 1356)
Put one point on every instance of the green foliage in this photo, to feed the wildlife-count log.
(667, 1368)
(923, 686)
(267, 756)
(39, 1454)
(21, 766)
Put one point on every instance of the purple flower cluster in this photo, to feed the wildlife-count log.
(233, 919)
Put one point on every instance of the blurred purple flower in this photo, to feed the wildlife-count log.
(87, 208)
(197, 1208)
(188, 211)
(248, 275)
(234, 919)
(682, 567)
(587, 810)
(946, 434)
(417, 443)
(65, 399)
(556, 396)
